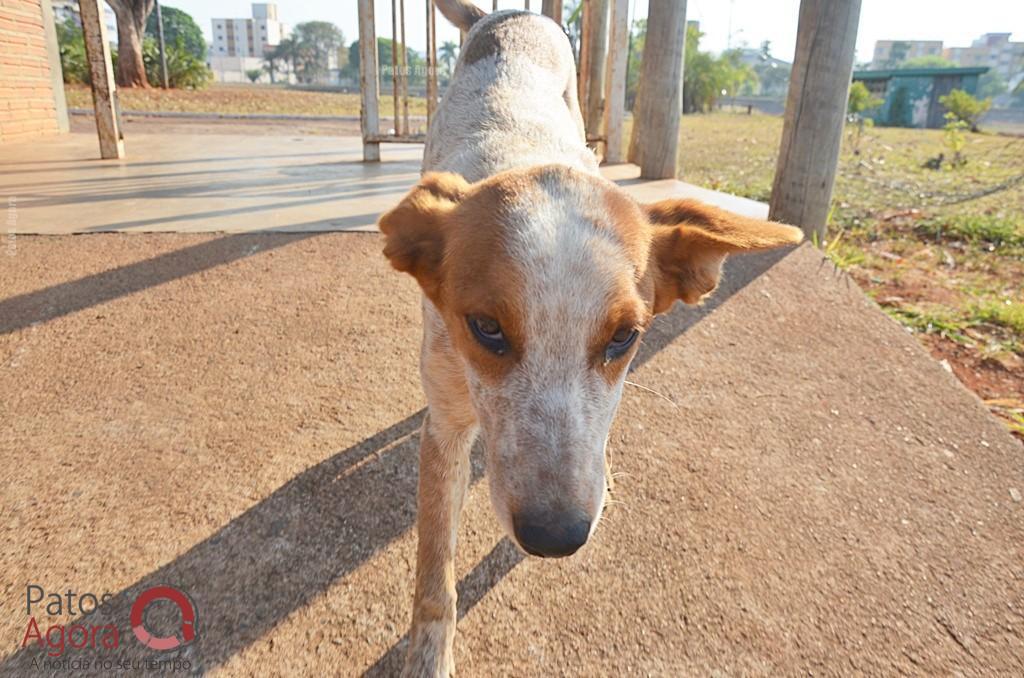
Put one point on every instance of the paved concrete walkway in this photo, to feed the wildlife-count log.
(237, 416)
(230, 183)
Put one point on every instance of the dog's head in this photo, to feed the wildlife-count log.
(546, 278)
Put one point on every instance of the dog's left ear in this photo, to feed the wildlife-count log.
(415, 229)
(691, 240)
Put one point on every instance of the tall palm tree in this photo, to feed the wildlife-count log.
(449, 52)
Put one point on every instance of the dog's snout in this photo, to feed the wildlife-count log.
(552, 535)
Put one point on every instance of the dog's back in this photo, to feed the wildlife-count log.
(512, 101)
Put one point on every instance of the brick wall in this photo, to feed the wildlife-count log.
(27, 105)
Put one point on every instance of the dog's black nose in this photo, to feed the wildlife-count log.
(552, 535)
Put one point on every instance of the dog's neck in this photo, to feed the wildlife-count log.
(510, 109)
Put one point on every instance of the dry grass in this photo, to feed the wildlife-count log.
(238, 99)
(942, 251)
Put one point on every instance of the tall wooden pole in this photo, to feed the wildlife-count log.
(394, 66)
(654, 143)
(162, 45)
(615, 81)
(593, 58)
(815, 112)
(101, 73)
(553, 9)
(369, 90)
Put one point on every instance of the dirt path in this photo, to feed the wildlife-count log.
(236, 416)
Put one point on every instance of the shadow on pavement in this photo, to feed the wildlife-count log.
(317, 528)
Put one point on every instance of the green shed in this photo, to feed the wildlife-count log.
(911, 97)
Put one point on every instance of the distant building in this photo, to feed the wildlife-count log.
(888, 53)
(248, 37)
(240, 45)
(911, 96)
(772, 73)
(993, 50)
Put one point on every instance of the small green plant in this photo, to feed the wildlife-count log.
(184, 70)
(860, 99)
(254, 74)
(955, 139)
(1006, 314)
(930, 323)
(965, 107)
(1000, 233)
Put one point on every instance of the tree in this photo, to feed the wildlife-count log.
(287, 51)
(316, 40)
(184, 70)
(73, 62)
(448, 53)
(179, 23)
(991, 84)
(965, 108)
(706, 77)
(634, 60)
(926, 61)
(131, 21)
(860, 99)
(415, 63)
(253, 74)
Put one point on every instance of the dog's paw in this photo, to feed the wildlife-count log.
(430, 652)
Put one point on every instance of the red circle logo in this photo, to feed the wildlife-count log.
(188, 618)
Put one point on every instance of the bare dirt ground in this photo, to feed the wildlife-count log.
(236, 416)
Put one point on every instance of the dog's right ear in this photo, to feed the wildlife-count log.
(415, 230)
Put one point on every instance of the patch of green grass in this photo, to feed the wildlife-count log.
(930, 322)
(1006, 314)
(978, 229)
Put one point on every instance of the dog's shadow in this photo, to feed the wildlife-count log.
(279, 555)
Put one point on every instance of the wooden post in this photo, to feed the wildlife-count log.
(815, 113)
(394, 66)
(594, 57)
(615, 81)
(654, 144)
(369, 115)
(432, 88)
(553, 9)
(405, 71)
(161, 44)
(101, 72)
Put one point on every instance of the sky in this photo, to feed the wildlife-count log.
(725, 22)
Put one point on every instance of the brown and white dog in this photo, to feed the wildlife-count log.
(538, 277)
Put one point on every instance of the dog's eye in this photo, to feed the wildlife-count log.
(620, 343)
(488, 333)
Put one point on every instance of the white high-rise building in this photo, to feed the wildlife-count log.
(239, 45)
(252, 37)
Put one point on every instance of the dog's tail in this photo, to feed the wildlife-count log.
(462, 13)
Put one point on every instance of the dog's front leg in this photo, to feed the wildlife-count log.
(444, 477)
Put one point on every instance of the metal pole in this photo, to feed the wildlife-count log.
(163, 50)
